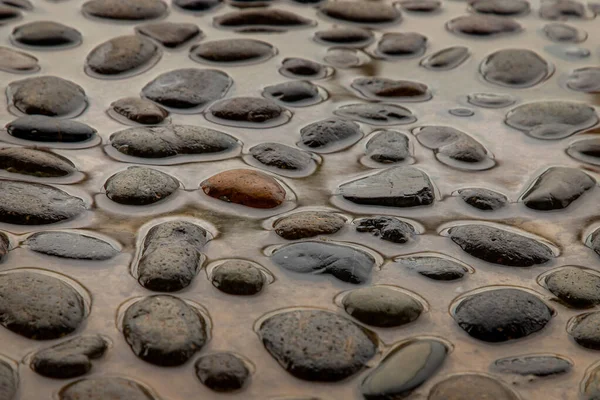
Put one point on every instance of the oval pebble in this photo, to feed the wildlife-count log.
(388, 147)
(141, 111)
(70, 245)
(377, 113)
(99, 388)
(238, 277)
(170, 34)
(306, 224)
(140, 186)
(46, 34)
(272, 18)
(446, 59)
(538, 365)
(123, 55)
(249, 112)
(39, 128)
(371, 14)
(300, 68)
(345, 37)
(434, 267)
(9, 381)
(560, 32)
(390, 89)
(471, 386)
(500, 7)
(232, 51)
(556, 188)
(584, 80)
(222, 372)
(483, 199)
(387, 228)
(409, 44)
(17, 62)
(330, 135)
(483, 25)
(123, 10)
(35, 162)
(281, 157)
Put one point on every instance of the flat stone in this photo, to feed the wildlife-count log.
(250, 3)
(9, 14)
(393, 187)
(47, 95)
(34, 162)
(39, 306)
(170, 34)
(345, 263)
(557, 188)
(123, 54)
(70, 245)
(483, 25)
(575, 286)
(306, 224)
(222, 372)
(361, 13)
(9, 381)
(294, 93)
(491, 100)
(171, 256)
(409, 44)
(483, 199)
(390, 89)
(317, 345)
(446, 59)
(247, 109)
(246, 187)
(262, 17)
(199, 6)
(499, 246)
(345, 36)
(24, 203)
(583, 328)
(140, 186)
(238, 277)
(227, 51)
(125, 10)
(301, 68)
(533, 365)
(561, 9)
(501, 7)
(69, 359)
(498, 315)
(188, 88)
(40, 128)
(377, 113)
(433, 267)
(471, 386)
(282, 157)
(20, 4)
(100, 388)
(406, 367)
(421, 6)
(46, 34)
(16, 61)
(330, 134)
(584, 80)
(164, 330)
(519, 68)
(387, 228)
(586, 150)
(560, 32)
(388, 147)
(138, 110)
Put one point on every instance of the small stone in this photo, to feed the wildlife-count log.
(140, 186)
(330, 135)
(390, 89)
(252, 110)
(125, 10)
(227, 51)
(345, 263)
(410, 44)
(388, 228)
(586, 150)
(382, 306)
(345, 36)
(282, 157)
(141, 111)
(171, 256)
(17, 62)
(561, 9)
(519, 68)
(40, 128)
(102, 388)
(433, 267)
(560, 32)
(300, 68)
(39, 306)
(262, 17)
(222, 372)
(70, 245)
(317, 345)
(552, 120)
(575, 286)
(557, 188)
(294, 93)
(361, 12)
(47, 95)
(388, 147)
(9, 381)
(406, 367)
(483, 199)
(197, 5)
(491, 100)
(170, 34)
(46, 34)
(471, 386)
(164, 330)
(308, 224)
(377, 113)
(533, 365)
(446, 59)
(188, 88)
(9, 14)
(69, 359)
(393, 187)
(246, 187)
(34, 162)
(501, 7)
(498, 315)
(483, 25)
(499, 246)
(590, 386)
(421, 6)
(584, 80)
(24, 203)
(238, 277)
(123, 54)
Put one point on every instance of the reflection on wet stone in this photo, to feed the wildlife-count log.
(557, 188)
(238, 277)
(140, 186)
(34, 162)
(533, 365)
(387, 228)
(46, 34)
(228, 51)
(100, 387)
(483, 199)
(446, 59)
(471, 386)
(70, 245)
(170, 34)
(46, 129)
(222, 372)
(308, 224)
(388, 147)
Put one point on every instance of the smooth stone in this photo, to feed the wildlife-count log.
(100, 388)
(409, 44)
(590, 385)
(483, 25)
(9, 381)
(138, 110)
(222, 372)
(390, 89)
(499, 246)
(164, 330)
(170, 34)
(583, 328)
(254, 110)
(560, 32)
(586, 150)
(392, 187)
(188, 88)
(387, 228)
(435, 268)
(345, 263)
(238, 277)
(69, 359)
(70, 245)
(35, 162)
(17, 62)
(361, 13)
(282, 157)
(46, 34)
(569, 53)
(317, 345)
(388, 147)
(574, 286)
(9, 14)
(471, 386)
(246, 187)
(586, 80)
(24, 203)
(227, 51)
(47, 95)
(491, 100)
(556, 188)
(124, 10)
(171, 256)
(498, 315)
(331, 134)
(533, 365)
(345, 36)
(121, 55)
(294, 93)
(405, 368)
(420, 6)
(483, 199)
(377, 113)
(300, 68)
(306, 224)
(140, 186)
(562, 9)
(250, 3)
(501, 7)
(446, 59)
(171, 140)
(39, 306)
(40, 128)
(262, 17)
(519, 68)
(197, 5)
(382, 306)
(552, 120)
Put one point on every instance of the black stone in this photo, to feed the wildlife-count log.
(246, 109)
(432, 267)
(302, 69)
(501, 7)
(140, 186)
(9, 381)
(390, 89)
(519, 68)
(262, 17)
(345, 36)
(35, 162)
(170, 34)
(557, 188)
(533, 364)
(306, 224)
(46, 129)
(280, 156)
(483, 199)
(124, 10)
(483, 25)
(387, 228)
(227, 51)
(409, 44)
(361, 12)
(238, 277)
(70, 245)
(388, 147)
(138, 110)
(103, 388)
(294, 93)
(471, 386)
(46, 34)
(446, 59)
(583, 328)
(330, 134)
(222, 372)
(122, 54)
(377, 113)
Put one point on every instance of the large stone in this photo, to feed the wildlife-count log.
(388, 147)
(557, 188)
(238, 277)
(262, 18)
